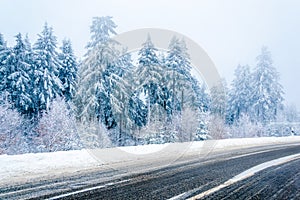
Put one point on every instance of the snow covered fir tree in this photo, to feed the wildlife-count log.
(50, 100)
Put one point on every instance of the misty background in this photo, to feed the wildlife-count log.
(232, 32)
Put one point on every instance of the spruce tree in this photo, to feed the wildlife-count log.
(122, 88)
(180, 80)
(4, 62)
(267, 91)
(219, 99)
(94, 88)
(46, 70)
(149, 75)
(18, 79)
(239, 100)
(68, 70)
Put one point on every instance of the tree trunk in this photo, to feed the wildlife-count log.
(120, 131)
(182, 100)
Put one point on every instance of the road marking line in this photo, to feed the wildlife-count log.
(178, 196)
(88, 189)
(247, 173)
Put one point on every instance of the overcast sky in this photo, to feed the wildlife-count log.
(232, 32)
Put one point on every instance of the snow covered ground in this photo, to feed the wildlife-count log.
(30, 166)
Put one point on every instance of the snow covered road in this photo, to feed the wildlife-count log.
(117, 162)
(21, 167)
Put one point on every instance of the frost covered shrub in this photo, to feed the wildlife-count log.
(202, 126)
(217, 128)
(121, 139)
(10, 128)
(57, 128)
(244, 127)
(156, 132)
(188, 122)
(15, 131)
(186, 126)
(94, 135)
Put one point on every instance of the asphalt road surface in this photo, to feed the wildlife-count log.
(187, 175)
(280, 182)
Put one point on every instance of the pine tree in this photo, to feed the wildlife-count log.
(267, 91)
(291, 113)
(122, 88)
(2, 42)
(94, 88)
(101, 30)
(18, 79)
(138, 111)
(149, 72)
(200, 97)
(180, 79)
(239, 100)
(29, 57)
(218, 103)
(46, 69)
(68, 70)
(202, 102)
(4, 62)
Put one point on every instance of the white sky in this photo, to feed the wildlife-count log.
(230, 31)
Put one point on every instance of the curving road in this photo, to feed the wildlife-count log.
(183, 178)
(280, 182)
